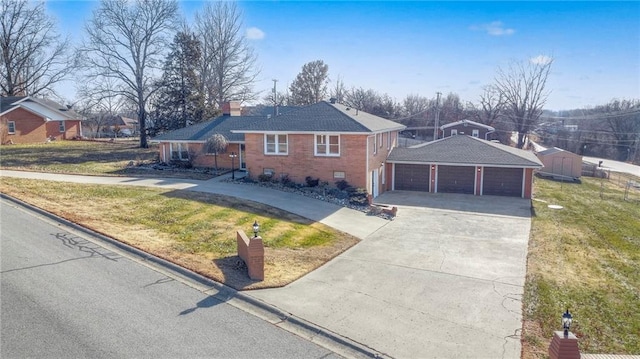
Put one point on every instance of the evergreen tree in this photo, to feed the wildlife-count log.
(310, 86)
(179, 102)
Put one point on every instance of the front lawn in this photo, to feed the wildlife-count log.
(192, 229)
(119, 158)
(584, 257)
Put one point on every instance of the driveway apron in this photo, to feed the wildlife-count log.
(443, 280)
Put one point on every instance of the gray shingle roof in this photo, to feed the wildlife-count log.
(8, 103)
(324, 117)
(465, 150)
(200, 132)
(462, 122)
(5, 102)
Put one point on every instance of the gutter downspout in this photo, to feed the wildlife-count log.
(486, 135)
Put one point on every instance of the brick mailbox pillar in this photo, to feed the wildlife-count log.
(251, 251)
(564, 347)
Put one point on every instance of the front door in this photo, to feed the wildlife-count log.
(374, 183)
(243, 163)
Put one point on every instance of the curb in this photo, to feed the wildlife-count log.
(225, 293)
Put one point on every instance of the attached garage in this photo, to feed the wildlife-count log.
(464, 164)
(456, 179)
(498, 181)
(411, 177)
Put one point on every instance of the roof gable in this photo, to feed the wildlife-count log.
(324, 117)
(465, 150)
(467, 122)
(47, 109)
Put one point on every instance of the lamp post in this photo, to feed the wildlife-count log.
(566, 322)
(233, 167)
(256, 229)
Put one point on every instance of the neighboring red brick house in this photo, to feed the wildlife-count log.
(26, 119)
(327, 141)
(467, 128)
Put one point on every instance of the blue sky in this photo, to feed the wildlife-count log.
(424, 47)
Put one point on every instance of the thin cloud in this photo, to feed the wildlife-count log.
(541, 60)
(253, 33)
(495, 28)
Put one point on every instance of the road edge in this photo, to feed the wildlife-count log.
(310, 331)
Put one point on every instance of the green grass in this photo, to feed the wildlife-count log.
(200, 227)
(585, 257)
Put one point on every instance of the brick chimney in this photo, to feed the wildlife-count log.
(231, 108)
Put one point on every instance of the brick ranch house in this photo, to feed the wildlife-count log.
(327, 141)
(27, 119)
(332, 142)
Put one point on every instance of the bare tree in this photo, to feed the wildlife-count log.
(623, 118)
(34, 57)
(228, 70)
(523, 88)
(126, 42)
(310, 85)
(339, 91)
(491, 106)
(361, 99)
(216, 144)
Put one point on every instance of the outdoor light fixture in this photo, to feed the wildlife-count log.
(256, 228)
(233, 167)
(566, 322)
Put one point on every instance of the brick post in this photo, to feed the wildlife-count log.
(564, 347)
(251, 251)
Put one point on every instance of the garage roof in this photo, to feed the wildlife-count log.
(467, 151)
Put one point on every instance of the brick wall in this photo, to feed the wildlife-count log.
(301, 162)
(31, 128)
(200, 159)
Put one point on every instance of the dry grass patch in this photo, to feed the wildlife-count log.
(585, 257)
(195, 230)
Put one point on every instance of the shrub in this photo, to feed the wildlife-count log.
(312, 182)
(181, 164)
(264, 177)
(342, 185)
(285, 180)
(358, 196)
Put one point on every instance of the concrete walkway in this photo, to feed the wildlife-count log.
(443, 280)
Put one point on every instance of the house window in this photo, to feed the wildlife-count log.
(454, 132)
(61, 126)
(380, 140)
(388, 140)
(339, 174)
(327, 145)
(375, 144)
(179, 151)
(11, 127)
(275, 144)
(475, 133)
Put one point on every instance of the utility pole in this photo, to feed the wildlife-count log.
(275, 98)
(437, 120)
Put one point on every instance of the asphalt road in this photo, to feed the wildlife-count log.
(63, 296)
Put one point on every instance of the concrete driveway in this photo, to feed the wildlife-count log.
(443, 280)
